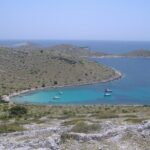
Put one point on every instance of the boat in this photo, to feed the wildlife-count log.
(60, 92)
(56, 97)
(108, 90)
(107, 94)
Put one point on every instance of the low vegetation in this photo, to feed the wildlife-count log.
(17, 111)
(12, 127)
(135, 120)
(83, 118)
(83, 127)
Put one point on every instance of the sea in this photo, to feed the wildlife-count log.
(132, 89)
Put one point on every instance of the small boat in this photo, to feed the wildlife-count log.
(108, 90)
(56, 97)
(60, 92)
(107, 94)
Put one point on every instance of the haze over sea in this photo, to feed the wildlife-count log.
(101, 46)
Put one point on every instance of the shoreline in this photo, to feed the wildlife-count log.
(118, 75)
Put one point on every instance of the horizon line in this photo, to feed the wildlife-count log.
(29, 39)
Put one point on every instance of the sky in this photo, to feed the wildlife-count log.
(75, 19)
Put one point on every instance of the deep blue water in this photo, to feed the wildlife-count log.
(133, 88)
(102, 46)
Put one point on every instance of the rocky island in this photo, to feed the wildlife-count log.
(138, 53)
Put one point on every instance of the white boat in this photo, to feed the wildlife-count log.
(107, 94)
(56, 97)
(108, 90)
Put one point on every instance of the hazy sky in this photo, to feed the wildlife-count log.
(75, 19)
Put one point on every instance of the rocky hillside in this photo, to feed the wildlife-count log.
(75, 51)
(59, 49)
(76, 127)
(58, 66)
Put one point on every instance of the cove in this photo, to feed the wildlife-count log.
(133, 88)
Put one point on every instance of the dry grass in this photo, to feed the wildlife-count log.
(84, 127)
(72, 115)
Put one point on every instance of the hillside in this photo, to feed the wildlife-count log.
(20, 70)
(76, 127)
(74, 50)
(66, 49)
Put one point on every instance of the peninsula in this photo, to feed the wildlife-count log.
(28, 67)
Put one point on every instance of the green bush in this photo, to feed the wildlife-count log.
(55, 82)
(69, 113)
(17, 111)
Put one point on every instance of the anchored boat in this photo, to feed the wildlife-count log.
(108, 90)
(56, 97)
(60, 92)
(107, 94)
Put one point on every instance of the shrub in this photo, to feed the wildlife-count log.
(13, 127)
(82, 127)
(69, 113)
(124, 111)
(55, 82)
(43, 85)
(65, 137)
(17, 111)
(41, 51)
(79, 79)
(135, 120)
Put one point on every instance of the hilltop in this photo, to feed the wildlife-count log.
(65, 49)
(75, 51)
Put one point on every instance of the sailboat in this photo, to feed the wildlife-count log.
(107, 92)
(56, 97)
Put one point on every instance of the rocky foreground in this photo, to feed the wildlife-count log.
(111, 135)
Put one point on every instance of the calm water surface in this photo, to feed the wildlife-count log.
(133, 88)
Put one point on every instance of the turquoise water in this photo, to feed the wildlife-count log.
(133, 88)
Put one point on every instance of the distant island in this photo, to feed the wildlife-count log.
(137, 53)
(29, 67)
(132, 54)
